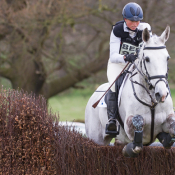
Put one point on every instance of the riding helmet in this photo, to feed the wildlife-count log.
(133, 12)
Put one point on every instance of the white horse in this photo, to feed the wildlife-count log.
(144, 121)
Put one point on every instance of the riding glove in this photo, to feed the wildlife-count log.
(130, 57)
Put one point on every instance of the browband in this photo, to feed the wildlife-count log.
(153, 48)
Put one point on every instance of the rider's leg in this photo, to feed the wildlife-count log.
(111, 110)
(113, 71)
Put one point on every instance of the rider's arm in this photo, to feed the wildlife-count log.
(114, 56)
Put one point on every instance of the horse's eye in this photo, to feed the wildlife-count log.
(147, 59)
(168, 58)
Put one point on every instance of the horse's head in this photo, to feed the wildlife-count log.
(154, 59)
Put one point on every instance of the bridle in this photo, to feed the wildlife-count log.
(148, 78)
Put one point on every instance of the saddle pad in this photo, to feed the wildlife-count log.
(102, 102)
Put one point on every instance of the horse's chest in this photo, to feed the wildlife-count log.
(158, 118)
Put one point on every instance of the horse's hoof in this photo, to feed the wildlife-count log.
(137, 150)
(129, 152)
(124, 152)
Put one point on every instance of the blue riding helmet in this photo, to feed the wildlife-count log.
(133, 12)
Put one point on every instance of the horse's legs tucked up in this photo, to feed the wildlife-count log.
(134, 148)
(167, 139)
(171, 124)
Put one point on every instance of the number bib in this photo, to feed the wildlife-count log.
(127, 48)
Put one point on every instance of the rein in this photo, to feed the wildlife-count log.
(147, 78)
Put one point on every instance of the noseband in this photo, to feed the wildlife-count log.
(148, 78)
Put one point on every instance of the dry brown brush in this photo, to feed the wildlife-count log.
(26, 134)
(81, 156)
(31, 144)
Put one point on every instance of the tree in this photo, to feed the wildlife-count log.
(48, 46)
(38, 49)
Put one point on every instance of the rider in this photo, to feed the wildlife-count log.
(126, 36)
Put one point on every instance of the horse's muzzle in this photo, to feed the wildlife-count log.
(161, 98)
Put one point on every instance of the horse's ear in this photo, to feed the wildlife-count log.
(145, 35)
(165, 35)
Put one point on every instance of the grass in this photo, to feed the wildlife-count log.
(173, 95)
(71, 104)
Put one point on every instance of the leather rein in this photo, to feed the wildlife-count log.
(147, 78)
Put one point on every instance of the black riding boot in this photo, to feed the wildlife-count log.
(111, 110)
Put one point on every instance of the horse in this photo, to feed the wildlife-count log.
(145, 107)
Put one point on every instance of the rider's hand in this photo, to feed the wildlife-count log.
(130, 57)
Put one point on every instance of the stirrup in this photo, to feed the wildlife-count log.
(112, 119)
(113, 133)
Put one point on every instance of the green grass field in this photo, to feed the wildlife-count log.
(71, 104)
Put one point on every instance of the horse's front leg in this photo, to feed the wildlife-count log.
(134, 130)
(167, 138)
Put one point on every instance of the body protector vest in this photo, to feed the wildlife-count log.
(128, 45)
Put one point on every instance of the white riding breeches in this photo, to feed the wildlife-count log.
(113, 70)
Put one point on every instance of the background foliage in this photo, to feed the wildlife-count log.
(49, 46)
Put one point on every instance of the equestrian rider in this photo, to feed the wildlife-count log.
(126, 36)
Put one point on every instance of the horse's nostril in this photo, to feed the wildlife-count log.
(158, 97)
